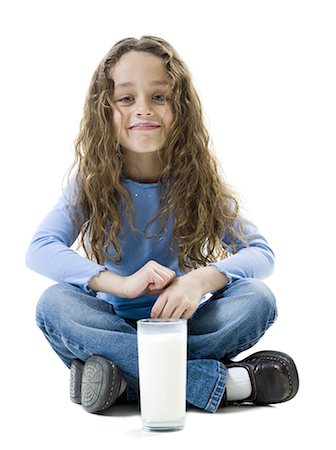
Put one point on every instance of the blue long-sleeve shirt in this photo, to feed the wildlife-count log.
(51, 255)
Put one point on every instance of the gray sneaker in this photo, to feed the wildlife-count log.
(76, 371)
(94, 384)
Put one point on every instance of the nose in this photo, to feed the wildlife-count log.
(143, 108)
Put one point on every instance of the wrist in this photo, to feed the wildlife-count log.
(108, 282)
(209, 279)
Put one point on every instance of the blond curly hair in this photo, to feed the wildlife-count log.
(191, 182)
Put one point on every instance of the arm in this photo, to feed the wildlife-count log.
(149, 279)
(182, 298)
(49, 251)
(209, 279)
(109, 282)
(254, 261)
(49, 254)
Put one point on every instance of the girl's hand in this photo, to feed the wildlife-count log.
(179, 300)
(152, 278)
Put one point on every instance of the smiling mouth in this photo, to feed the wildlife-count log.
(144, 127)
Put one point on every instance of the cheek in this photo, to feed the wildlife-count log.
(116, 120)
(169, 117)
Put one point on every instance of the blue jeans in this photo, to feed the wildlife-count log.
(78, 325)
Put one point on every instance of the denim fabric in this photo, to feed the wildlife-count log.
(77, 325)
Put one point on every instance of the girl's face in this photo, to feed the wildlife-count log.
(142, 112)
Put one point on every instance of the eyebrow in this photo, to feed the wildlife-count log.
(153, 83)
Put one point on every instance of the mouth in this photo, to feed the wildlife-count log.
(144, 127)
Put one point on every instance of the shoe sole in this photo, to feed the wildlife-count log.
(289, 365)
(76, 371)
(101, 380)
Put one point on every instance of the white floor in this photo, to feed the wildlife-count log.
(46, 419)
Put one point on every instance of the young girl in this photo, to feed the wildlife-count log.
(163, 237)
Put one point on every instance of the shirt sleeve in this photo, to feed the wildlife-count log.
(49, 251)
(253, 261)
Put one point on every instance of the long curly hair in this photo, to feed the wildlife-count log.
(191, 182)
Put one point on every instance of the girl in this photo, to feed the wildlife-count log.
(163, 237)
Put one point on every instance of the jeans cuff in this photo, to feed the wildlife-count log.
(218, 392)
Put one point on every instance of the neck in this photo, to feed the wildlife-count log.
(142, 167)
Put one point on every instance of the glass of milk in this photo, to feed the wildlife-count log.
(162, 353)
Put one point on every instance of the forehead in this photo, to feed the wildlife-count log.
(137, 66)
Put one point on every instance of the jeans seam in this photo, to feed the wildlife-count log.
(218, 391)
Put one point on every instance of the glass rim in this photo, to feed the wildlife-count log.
(161, 321)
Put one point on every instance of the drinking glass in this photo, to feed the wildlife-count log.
(162, 353)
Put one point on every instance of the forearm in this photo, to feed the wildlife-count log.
(108, 282)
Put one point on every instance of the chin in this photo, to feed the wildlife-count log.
(145, 150)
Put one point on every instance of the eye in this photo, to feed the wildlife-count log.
(126, 99)
(160, 97)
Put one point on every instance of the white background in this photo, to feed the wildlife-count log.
(265, 71)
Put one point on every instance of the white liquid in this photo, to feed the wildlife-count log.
(162, 373)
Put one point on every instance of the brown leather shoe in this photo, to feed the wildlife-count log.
(274, 377)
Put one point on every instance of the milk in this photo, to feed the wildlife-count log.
(162, 350)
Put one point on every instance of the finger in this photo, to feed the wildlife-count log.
(167, 275)
(156, 280)
(168, 309)
(158, 306)
(171, 273)
(187, 313)
(178, 313)
(154, 264)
